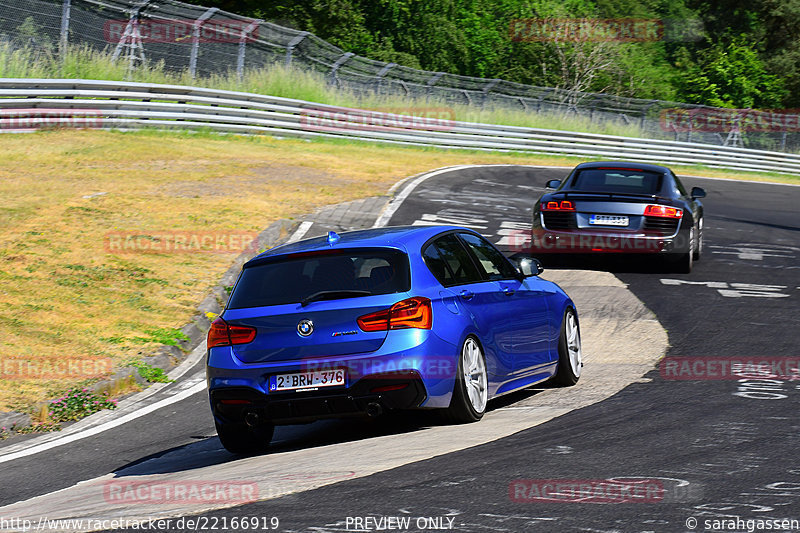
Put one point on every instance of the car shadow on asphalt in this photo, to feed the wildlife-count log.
(613, 263)
(208, 450)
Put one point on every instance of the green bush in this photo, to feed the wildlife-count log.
(150, 373)
(78, 403)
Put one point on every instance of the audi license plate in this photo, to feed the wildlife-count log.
(307, 380)
(608, 220)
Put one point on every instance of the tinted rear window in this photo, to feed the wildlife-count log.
(377, 271)
(449, 261)
(629, 181)
(491, 261)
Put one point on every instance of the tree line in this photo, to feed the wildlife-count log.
(736, 54)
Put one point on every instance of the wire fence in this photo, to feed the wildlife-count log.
(204, 41)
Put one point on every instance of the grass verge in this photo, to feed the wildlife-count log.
(288, 82)
(66, 298)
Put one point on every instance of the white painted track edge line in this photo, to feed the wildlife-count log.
(391, 208)
(97, 419)
(301, 230)
(407, 179)
(182, 369)
(198, 387)
(178, 372)
(395, 203)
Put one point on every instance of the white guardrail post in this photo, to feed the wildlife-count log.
(63, 38)
(28, 104)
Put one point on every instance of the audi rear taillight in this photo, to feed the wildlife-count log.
(411, 313)
(663, 211)
(223, 334)
(564, 205)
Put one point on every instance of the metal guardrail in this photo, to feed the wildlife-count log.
(199, 42)
(27, 104)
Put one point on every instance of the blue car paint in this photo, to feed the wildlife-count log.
(433, 353)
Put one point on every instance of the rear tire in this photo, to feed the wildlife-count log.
(470, 392)
(699, 246)
(683, 265)
(570, 356)
(242, 440)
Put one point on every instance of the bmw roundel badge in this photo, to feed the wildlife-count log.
(305, 328)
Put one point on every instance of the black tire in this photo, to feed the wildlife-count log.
(683, 263)
(698, 249)
(462, 408)
(569, 370)
(242, 440)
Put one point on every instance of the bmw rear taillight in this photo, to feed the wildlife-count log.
(663, 211)
(411, 313)
(223, 334)
(563, 205)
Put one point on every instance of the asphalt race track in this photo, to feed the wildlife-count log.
(719, 449)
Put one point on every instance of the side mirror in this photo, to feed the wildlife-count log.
(529, 266)
(698, 192)
(553, 184)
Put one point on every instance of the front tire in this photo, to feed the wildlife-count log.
(239, 439)
(470, 392)
(570, 356)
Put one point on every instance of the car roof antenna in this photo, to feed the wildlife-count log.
(333, 237)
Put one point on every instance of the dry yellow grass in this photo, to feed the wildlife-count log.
(63, 298)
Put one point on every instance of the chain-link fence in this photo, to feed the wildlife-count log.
(207, 41)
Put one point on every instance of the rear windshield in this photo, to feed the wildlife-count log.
(614, 180)
(292, 280)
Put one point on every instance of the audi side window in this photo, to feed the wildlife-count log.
(493, 263)
(678, 184)
(455, 257)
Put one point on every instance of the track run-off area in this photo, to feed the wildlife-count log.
(719, 449)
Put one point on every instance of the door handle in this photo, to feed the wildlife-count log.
(466, 295)
(508, 291)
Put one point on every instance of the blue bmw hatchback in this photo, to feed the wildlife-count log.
(430, 317)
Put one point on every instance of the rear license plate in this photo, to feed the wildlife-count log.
(608, 220)
(307, 380)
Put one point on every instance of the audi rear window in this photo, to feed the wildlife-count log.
(340, 274)
(617, 180)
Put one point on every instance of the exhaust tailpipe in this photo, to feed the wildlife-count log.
(374, 409)
(251, 419)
